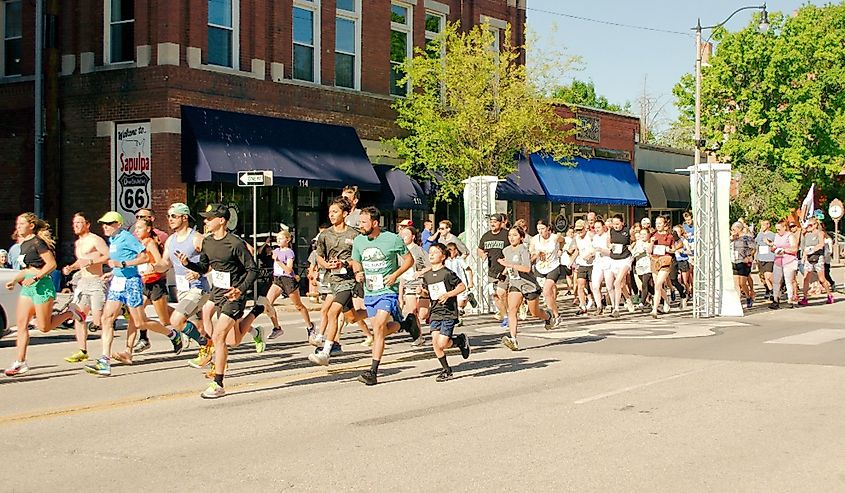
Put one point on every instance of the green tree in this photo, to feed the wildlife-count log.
(584, 93)
(777, 100)
(471, 110)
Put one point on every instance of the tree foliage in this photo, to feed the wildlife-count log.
(776, 100)
(584, 93)
(471, 110)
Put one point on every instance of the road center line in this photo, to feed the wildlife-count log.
(645, 384)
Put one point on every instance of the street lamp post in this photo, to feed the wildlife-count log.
(704, 293)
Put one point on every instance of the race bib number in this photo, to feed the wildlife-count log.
(221, 280)
(339, 272)
(375, 282)
(118, 284)
(145, 268)
(437, 290)
(764, 250)
(617, 248)
(541, 280)
(21, 261)
(182, 284)
(659, 250)
(513, 274)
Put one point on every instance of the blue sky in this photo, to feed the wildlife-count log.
(618, 59)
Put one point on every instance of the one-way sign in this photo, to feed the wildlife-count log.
(256, 178)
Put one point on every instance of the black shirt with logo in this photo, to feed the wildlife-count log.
(31, 251)
(437, 282)
(493, 244)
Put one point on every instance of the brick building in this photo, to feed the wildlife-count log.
(604, 179)
(120, 76)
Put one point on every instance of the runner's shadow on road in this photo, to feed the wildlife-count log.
(49, 375)
(340, 376)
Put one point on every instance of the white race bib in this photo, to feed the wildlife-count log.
(764, 250)
(145, 268)
(375, 282)
(513, 274)
(21, 261)
(659, 250)
(182, 284)
(221, 280)
(118, 284)
(339, 271)
(617, 248)
(436, 290)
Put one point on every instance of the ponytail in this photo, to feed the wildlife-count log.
(41, 228)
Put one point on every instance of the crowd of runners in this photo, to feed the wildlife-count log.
(376, 280)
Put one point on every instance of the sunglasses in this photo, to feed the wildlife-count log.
(142, 217)
(442, 228)
(175, 216)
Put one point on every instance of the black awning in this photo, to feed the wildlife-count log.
(522, 184)
(400, 191)
(217, 144)
(667, 190)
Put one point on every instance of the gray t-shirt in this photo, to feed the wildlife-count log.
(524, 281)
(352, 218)
(337, 245)
(762, 247)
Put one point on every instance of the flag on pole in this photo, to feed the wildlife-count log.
(808, 206)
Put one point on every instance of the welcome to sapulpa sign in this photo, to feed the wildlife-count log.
(132, 169)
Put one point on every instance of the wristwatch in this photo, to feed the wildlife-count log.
(123, 263)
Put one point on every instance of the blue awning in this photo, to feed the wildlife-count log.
(400, 191)
(522, 184)
(217, 144)
(592, 181)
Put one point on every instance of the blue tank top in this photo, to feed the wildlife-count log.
(187, 247)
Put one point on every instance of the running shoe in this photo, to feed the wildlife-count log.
(100, 367)
(18, 368)
(179, 343)
(123, 357)
(5, 332)
(277, 331)
(336, 350)
(444, 375)
(319, 358)
(829, 299)
(213, 391)
(203, 357)
(614, 313)
(419, 341)
(317, 340)
(629, 304)
(472, 301)
(309, 331)
(749, 303)
(77, 357)
(590, 303)
(410, 325)
(258, 339)
(463, 345)
(368, 378)
(367, 342)
(523, 312)
(74, 310)
(549, 323)
(774, 306)
(672, 295)
(510, 343)
(666, 307)
(92, 328)
(141, 346)
(505, 322)
(803, 302)
(684, 303)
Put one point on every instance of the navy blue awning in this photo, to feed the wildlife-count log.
(522, 184)
(217, 144)
(400, 191)
(592, 181)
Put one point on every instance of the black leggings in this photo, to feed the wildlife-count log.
(648, 286)
(673, 276)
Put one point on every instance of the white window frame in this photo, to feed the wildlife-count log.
(235, 33)
(408, 30)
(496, 26)
(429, 35)
(356, 18)
(316, 29)
(3, 4)
(107, 23)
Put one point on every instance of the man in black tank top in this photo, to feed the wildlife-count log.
(620, 264)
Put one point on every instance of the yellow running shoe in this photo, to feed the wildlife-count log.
(78, 357)
(203, 357)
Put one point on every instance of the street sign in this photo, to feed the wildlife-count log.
(256, 178)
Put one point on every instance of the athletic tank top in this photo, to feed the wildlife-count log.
(551, 248)
(186, 246)
(782, 241)
(148, 275)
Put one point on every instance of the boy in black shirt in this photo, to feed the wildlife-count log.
(443, 287)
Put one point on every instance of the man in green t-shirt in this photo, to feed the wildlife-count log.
(375, 260)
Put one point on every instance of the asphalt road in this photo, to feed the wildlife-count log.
(747, 404)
